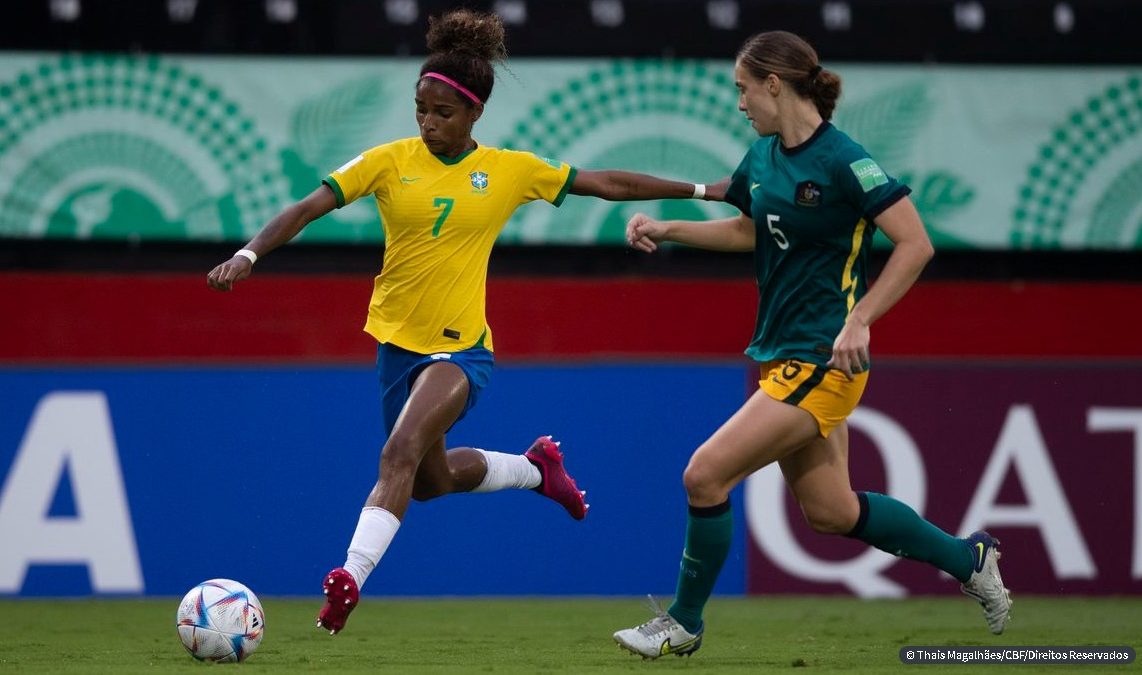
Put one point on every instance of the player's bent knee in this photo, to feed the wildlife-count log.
(827, 525)
(702, 486)
(829, 519)
(394, 462)
(423, 491)
(401, 454)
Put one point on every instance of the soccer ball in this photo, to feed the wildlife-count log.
(220, 620)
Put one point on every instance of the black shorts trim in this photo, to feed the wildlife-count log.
(807, 386)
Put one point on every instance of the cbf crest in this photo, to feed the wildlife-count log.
(479, 180)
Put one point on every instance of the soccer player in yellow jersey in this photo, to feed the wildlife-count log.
(443, 199)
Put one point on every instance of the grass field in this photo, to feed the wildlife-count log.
(555, 635)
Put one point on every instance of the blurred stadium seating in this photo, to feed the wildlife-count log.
(948, 31)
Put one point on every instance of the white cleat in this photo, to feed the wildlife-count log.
(660, 636)
(985, 584)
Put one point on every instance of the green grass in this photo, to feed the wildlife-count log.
(775, 634)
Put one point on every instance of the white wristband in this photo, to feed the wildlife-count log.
(248, 255)
(699, 191)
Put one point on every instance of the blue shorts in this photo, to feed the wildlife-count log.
(397, 369)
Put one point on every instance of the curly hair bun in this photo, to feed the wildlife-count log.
(475, 33)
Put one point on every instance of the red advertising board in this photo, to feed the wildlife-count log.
(1044, 456)
(161, 318)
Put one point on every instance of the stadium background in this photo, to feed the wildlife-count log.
(143, 415)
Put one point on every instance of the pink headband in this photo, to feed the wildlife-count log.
(455, 85)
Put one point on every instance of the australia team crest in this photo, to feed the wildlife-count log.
(479, 180)
(808, 194)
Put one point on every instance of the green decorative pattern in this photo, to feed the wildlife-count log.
(93, 175)
(327, 130)
(1118, 212)
(890, 126)
(1105, 126)
(890, 123)
(126, 122)
(207, 148)
(649, 100)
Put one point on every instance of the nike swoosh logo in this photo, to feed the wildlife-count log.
(669, 648)
(754, 186)
(686, 556)
(406, 180)
(981, 548)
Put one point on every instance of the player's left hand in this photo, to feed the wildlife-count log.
(644, 233)
(850, 349)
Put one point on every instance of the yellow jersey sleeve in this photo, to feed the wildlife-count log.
(542, 178)
(367, 173)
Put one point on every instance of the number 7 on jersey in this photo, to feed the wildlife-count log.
(437, 203)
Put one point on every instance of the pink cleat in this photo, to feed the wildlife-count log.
(555, 483)
(341, 596)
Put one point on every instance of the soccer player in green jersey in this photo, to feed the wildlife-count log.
(443, 199)
(810, 199)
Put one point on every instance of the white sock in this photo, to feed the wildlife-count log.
(507, 471)
(375, 531)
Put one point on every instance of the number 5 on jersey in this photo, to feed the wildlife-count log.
(446, 204)
(778, 235)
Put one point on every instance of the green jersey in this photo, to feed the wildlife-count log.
(812, 207)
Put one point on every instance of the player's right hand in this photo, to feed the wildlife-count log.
(716, 192)
(222, 278)
(644, 233)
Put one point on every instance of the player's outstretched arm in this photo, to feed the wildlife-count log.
(625, 186)
(281, 228)
(727, 234)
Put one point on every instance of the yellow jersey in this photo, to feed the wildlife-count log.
(441, 217)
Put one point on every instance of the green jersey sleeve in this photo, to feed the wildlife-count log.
(738, 194)
(865, 184)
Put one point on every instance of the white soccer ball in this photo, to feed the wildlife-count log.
(220, 620)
